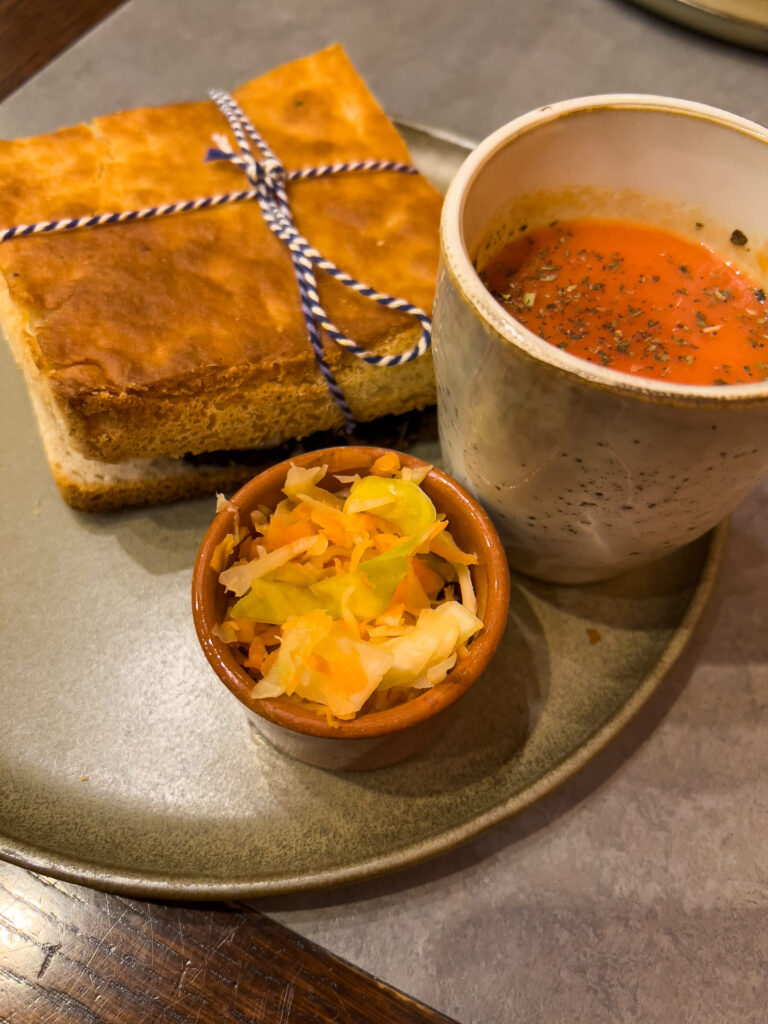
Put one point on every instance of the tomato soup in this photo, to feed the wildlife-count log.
(636, 298)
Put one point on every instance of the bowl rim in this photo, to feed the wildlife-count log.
(457, 262)
(283, 713)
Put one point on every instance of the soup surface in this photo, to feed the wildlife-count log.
(636, 298)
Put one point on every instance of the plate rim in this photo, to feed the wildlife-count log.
(155, 885)
(729, 20)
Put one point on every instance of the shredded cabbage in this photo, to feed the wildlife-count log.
(345, 601)
(319, 662)
(400, 503)
(301, 482)
(272, 602)
(437, 634)
(238, 578)
(363, 600)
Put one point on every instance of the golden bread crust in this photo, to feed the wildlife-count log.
(202, 308)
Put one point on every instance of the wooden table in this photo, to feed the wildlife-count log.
(78, 956)
(74, 955)
(32, 32)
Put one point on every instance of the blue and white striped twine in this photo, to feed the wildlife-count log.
(269, 179)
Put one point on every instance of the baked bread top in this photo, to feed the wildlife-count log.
(207, 299)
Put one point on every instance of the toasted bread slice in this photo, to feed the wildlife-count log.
(93, 486)
(159, 338)
(90, 485)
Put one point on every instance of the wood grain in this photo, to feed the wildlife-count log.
(79, 956)
(32, 32)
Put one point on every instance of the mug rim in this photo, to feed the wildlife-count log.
(458, 264)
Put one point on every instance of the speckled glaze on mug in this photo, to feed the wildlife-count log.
(588, 471)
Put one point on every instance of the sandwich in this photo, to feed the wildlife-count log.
(150, 348)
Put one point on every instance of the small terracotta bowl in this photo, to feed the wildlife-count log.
(383, 737)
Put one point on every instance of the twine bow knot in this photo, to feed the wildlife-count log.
(269, 178)
(269, 170)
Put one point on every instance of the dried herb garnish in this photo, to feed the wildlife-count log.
(583, 287)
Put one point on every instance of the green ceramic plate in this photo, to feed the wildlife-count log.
(127, 766)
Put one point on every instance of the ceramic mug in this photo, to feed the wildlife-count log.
(588, 471)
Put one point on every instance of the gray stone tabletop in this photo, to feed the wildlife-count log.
(636, 892)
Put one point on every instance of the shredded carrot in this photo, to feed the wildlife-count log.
(348, 616)
(270, 634)
(283, 529)
(357, 553)
(303, 510)
(393, 614)
(334, 551)
(368, 521)
(222, 552)
(317, 564)
(317, 663)
(411, 593)
(225, 631)
(430, 581)
(246, 549)
(257, 654)
(269, 661)
(246, 629)
(332, 525)
(386, 465)
(445, 546)
(384, 541)
(436, 530)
